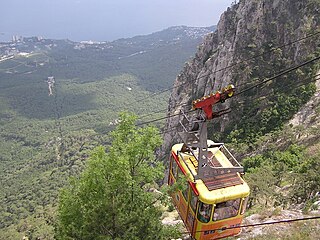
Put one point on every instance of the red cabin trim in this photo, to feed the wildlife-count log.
(176, 158)
(193, 186)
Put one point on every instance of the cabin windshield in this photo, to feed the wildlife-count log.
(226, 209)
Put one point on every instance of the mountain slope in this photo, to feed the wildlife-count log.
(273, 127)
(256, 47)
(254, 40)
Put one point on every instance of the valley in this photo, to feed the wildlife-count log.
(59, 99)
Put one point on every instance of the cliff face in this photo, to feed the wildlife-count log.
(254, 40)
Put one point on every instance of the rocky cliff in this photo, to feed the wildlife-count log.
(254, 40)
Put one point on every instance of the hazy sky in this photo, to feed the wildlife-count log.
(103, 20)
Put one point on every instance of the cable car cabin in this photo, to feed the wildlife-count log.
(208, 204)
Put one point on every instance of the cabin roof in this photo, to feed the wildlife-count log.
(217, 188)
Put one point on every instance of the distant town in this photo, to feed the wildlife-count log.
(18, 46)
(24, 46)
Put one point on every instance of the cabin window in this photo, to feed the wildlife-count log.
(185, 193)
(179, 173)
(244, 205)
(193, 201)
(174, 167)
(226, 209)
(204, 212)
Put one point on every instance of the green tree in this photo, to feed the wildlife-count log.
(261, 181)
(306, 186)
(110, 199)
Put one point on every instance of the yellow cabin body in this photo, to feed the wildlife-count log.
(208, 206)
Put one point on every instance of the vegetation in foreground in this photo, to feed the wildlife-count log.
(110, 200)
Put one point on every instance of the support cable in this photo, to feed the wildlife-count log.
(259, 224)
(278, 75)
(232, 65)
(245, 90)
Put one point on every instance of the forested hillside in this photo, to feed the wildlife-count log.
(49, 125)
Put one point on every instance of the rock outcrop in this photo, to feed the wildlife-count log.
(254, 40)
